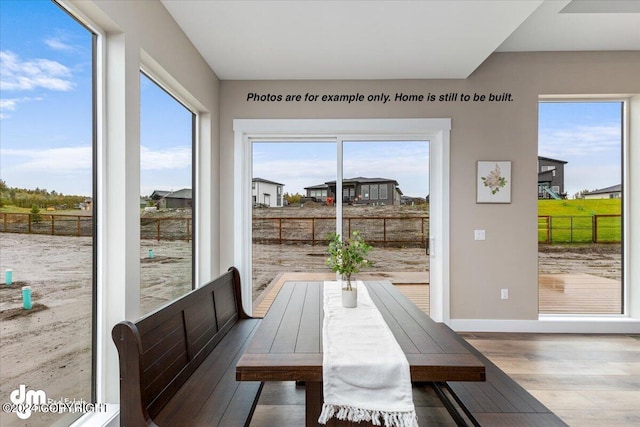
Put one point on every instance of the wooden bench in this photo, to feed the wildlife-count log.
(178, 364)
(498, 401)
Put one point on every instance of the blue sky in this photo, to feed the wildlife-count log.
(588, 137)
(165, 140)
(45, 98)
(303, 164)
(45, 108)
(45, 130)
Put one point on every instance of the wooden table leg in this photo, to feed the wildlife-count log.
(313, 402)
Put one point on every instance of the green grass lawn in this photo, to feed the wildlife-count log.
(580, 207)
(572, 221)
(74, 212)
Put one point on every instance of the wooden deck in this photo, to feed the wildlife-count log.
(579, 294)
(413, 284)
(558, 293)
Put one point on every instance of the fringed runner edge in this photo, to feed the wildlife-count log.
(349, 413)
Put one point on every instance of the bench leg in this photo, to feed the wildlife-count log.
(457, 413)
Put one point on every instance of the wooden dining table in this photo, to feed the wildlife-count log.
(288, 343)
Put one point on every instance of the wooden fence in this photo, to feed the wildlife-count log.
(380, 231)
(82, 225)
(385, 231)
(580, 229)
(55, 225)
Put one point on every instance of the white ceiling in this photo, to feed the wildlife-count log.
(394, 39)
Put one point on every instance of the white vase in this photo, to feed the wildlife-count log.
(349, 296)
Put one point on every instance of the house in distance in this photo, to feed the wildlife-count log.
(613, 192)
(360, 190)
(551, 178)
(266, 193)
(180, 199)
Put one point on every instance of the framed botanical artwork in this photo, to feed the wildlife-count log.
(493, 182)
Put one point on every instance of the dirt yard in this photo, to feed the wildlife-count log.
(269, 260)
(48, 348)
(603, 260)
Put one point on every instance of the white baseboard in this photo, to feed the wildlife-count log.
(549, 324)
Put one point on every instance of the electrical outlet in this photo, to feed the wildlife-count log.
(504, 293)
(479, 234)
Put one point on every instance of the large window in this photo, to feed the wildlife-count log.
(434, 134)
(47, 207)
(166, 197)
(580, 207)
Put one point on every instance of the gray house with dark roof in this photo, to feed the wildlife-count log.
(180, 199)
(613, 192)
(360, 190)
(551, 178)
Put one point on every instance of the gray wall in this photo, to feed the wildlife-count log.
(508, 258)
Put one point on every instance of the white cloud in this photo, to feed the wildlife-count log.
(58, 43)
(581, 141)
(49, 161)
(7, 105)
(170, 158)
(591, 178)
(411, 171)
(12, 103)
(295, 175)
(593, 154)
(16, 74)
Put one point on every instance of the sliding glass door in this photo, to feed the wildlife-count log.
(298, 198)
(292, 212)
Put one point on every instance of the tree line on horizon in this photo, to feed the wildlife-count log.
(40, 197)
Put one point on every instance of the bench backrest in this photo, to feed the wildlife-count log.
(160, 351)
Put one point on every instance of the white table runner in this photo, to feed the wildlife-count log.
(365, 372)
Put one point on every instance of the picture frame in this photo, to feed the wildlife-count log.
(493, 181)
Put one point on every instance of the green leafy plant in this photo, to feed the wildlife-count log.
(347, 256)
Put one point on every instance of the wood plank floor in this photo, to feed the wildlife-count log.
(587, 380)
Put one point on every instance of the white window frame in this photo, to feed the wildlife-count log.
(631, 215)
(436, 131)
